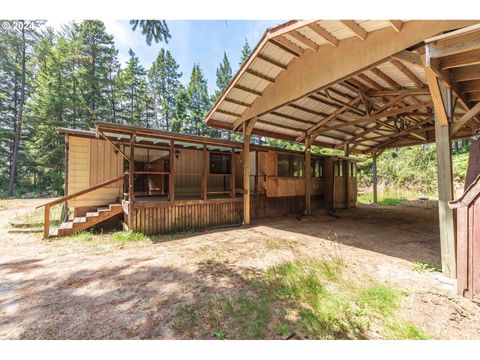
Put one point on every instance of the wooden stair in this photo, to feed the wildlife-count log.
(81, 223)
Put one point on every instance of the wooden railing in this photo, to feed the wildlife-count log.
(46, 220)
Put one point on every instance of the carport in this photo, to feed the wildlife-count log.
(361, 87)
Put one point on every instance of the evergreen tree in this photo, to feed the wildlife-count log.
(97, 52)
(224, 75)
(246, 51)
(152, 29)
(132, 86)
(163, 85)
(198, 103)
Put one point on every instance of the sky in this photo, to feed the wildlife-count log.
(192, 41)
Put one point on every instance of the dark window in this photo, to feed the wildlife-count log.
(317, 168)
(338, 171)
(220, 164)
(289, 165)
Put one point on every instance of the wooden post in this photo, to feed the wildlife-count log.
(346, 177)
(205, 172)
(445, 187)
(46, 222)
(65, 191)
(375, 179)
(308, 177)
(256, 172)
(131, 183)
(246, 174)
(171, 176)
(233, 172)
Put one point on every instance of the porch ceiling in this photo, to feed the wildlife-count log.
(361, 83)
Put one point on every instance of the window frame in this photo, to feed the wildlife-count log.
(229, 163)
(296, 164)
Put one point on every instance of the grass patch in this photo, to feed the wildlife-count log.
(385, 199)
(81, 236)
(306, 299)
(123, 237)
(35, 218)
(423, 267)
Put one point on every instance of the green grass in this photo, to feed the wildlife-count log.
(422, 267)
(311, 299)
(123, 237)
(35, 218)
(387, 198)
(81, 236)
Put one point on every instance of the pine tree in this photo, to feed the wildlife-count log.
(132, 86)
(97, 52)
(152, 29)
(163, 85)
(224, 75)
(246, 51)
(198, 103)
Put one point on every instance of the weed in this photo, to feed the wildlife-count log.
(220, 334)
(422, 267)
(123, 237)
(81, 236)
(405, 330)
(380, 298)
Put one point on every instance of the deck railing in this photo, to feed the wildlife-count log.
(47, 206)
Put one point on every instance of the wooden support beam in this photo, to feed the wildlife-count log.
(466, 73)
(304, 40)
(408, 73)
(205, 173)
(346, 176)
(236, 102)
(131, 183)
(260, 76)
(386, 78)
(233, 162)
(246, 175)
(287, 46)
(445, 190)
(406, 92)
(459, 60)
(271, 61)
(456, 126)
(250, 91)
(374, 176)
(229, 113)
(357, 30)
(396, 24)
(308, 177)
(470, 86)
(320, 31)
(438, 102)
(398, 111)
(408, 56)
(171, 177)
(454, 45)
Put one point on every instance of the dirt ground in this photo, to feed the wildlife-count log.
(98, 289)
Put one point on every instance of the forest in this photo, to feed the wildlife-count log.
(73, 77)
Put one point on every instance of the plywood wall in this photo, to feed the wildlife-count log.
(92, 161)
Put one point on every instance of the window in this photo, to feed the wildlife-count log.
(289, 165)
(352, 170)
(338, 170)
(317, 168)
(220, 163)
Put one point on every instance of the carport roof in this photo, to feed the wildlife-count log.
(339, 82)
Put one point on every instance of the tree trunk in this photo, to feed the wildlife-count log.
(16, 143)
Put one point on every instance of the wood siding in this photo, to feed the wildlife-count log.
(92, 161)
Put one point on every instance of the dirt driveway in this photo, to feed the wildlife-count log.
(78, 289)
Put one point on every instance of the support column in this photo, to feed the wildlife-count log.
(346, 177)
(374, 174)
(171, 177)
(445, 186)
(234, 173)
(131, 181)
(308, 177)
(205, 172)
(246, 174)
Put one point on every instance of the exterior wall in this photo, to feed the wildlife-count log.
(92, 161)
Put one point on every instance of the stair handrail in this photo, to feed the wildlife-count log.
(48, 205)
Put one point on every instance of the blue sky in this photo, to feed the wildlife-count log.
(193, 41)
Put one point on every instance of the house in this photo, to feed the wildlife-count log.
(161, 182)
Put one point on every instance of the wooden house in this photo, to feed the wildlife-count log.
(161, 182)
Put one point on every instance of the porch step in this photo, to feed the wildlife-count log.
(81, 223)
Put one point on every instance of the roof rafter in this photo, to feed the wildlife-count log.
(357, 29)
